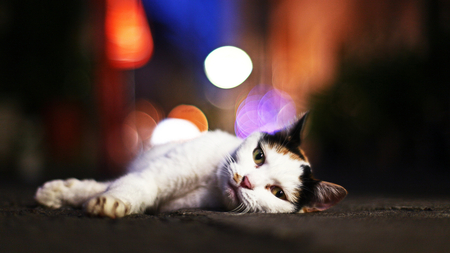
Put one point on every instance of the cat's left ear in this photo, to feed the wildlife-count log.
(325, 196)
(297, 130)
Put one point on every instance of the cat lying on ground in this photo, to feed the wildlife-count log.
(266, 173)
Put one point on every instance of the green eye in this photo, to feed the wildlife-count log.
(258, 156)
(278, 192)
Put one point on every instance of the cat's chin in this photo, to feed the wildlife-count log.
(232, 196)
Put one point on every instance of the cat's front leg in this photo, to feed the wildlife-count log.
(133, 193)
(70, 192)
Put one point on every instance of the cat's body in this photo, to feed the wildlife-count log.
(263, 173)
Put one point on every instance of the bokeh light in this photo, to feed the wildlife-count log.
(192, 114)
(174, 130)
(184, 122)
(227, 67)
(265, 109)
(135, 132)
(152, 109)
(143, 123)
(129, 43)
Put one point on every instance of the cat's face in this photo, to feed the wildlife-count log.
(269, 173)
(261, 178)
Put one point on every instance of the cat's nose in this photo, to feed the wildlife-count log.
(245, 183)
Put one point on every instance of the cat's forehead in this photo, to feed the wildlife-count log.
(278, 151)
(281, 142)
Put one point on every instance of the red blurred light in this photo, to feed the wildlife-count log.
(129, 43)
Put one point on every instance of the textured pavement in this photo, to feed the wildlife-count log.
(361, 223)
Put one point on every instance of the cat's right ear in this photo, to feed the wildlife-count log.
(297, 130)
(325, 196)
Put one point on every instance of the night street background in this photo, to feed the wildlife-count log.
(373, 74)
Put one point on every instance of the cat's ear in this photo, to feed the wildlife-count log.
(325, 196)
(297, 129)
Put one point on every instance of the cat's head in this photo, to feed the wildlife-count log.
(270, 173)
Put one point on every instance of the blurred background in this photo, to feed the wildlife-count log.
(84, 83)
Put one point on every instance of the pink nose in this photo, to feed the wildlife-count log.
(245, 183)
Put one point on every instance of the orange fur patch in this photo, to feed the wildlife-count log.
(237, 178)
(285, 151)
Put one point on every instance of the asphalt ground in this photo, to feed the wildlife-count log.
(360, 223)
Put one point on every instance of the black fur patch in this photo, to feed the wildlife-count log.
(289, 138)
(283, 140)
(307, 189)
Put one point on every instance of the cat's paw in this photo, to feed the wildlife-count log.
(107, 205)
(53, 193)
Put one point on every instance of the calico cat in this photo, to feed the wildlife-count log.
(265, 172)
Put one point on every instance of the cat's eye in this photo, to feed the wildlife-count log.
(258, 156)
(278, 192)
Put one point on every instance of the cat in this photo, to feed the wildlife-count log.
(266, 172)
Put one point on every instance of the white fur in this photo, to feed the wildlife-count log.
(193, 174)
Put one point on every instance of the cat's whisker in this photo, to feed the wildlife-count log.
(230, 159)
(225, 173)
(246, 210)
(241, 207)
(238, 209)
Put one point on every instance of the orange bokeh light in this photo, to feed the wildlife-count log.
(129, 43)
(143, 123)
(133, 136)
(192, 114)
(153, 110)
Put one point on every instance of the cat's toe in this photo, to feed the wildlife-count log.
(106, 205)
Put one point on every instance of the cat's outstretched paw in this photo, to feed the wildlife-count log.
(53, 193)
(106, 205)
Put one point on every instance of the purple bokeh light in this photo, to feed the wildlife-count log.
(265, 109)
